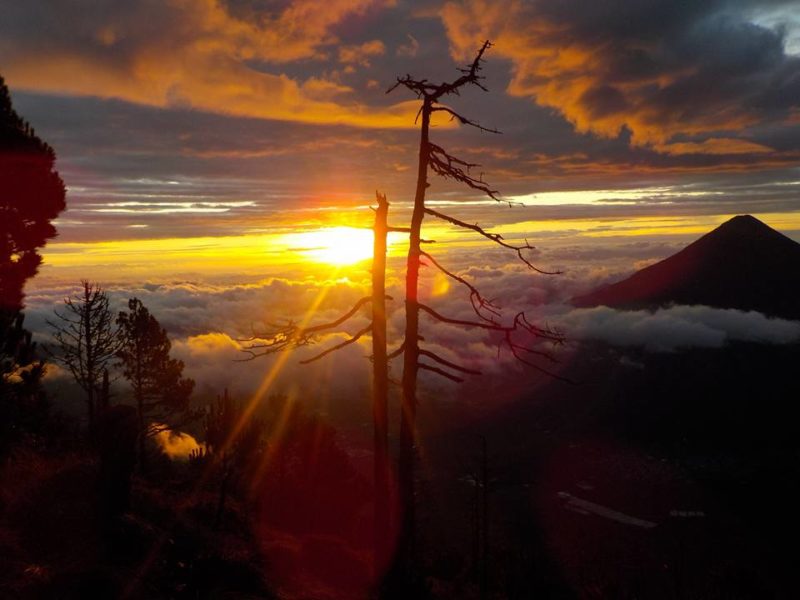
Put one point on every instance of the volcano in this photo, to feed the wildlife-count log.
(742, 264)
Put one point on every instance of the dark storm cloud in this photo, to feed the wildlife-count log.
(656, 68)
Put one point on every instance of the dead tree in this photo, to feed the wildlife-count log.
(291, 335)
(433, 157)
(380, 384)
(86, 342)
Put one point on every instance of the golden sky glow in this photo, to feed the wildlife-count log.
(239, 139)
(334, 245)
(345, 250)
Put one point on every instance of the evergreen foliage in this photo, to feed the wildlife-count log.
(33, 194)
(161, 392)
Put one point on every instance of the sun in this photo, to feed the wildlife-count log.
(333, 245)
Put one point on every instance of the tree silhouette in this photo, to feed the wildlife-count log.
(230, 453)
(380, 387)
(87, 342)
(31, 196)
(22, 402)
(160, 391)
(433, 157)
(291, 335)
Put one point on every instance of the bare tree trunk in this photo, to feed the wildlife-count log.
(411, 352)
(142, 432)
(443, 164)
(380, 383)
(105, 392)
(90, 374)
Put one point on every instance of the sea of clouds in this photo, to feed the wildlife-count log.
(210, 323)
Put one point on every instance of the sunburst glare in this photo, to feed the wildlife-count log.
(334, 245)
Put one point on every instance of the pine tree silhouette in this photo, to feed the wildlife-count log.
(32, 194)
(161, 393)
(23, 405)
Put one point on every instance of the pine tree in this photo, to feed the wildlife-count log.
(160, 391)
(23, 406)
(32, 194)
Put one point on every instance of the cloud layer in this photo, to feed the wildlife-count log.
(207, 323)
(678, 327)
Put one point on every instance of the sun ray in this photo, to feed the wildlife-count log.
(276, 433)
(275, 370)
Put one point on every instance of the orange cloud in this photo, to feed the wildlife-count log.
(715, 146)
(199, 54)
(360, 55)
(410, 49)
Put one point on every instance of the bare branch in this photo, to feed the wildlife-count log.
(526, 350)
(339, 346)
(292, 336)
(470, 75)
(447, 363)
(440, 317)
(448, 166)
(478, 302)
(431, 92)
(464, 120)
(439, 371)
(520, 324)
(515, 351)
(398, 352)
(422, 88)
(495, 237)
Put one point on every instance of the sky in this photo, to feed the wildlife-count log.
(201, 140)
